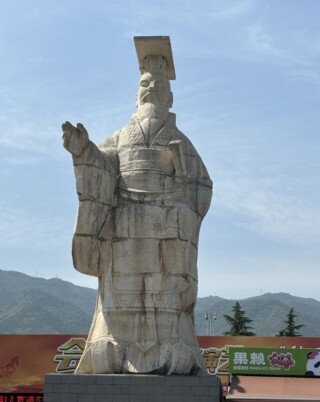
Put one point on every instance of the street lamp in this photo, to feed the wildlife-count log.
(209, 317)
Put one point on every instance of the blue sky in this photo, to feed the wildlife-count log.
(247, 95)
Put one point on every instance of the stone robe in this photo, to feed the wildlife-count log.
(142, 201)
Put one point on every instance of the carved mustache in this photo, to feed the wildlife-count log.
(152, 93)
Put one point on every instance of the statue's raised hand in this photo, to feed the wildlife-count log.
(75, 139)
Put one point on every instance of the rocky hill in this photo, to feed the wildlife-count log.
(30, 305)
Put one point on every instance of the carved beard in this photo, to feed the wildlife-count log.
(150, 110)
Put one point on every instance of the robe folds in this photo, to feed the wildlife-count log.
(141, 204)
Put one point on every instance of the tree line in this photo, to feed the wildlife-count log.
(240, 324)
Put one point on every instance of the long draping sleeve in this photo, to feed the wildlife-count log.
(96, 174)
(199, 182)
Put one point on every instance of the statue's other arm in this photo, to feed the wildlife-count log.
(96, 173)
(192, 166)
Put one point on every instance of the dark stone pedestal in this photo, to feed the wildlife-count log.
(131, 388)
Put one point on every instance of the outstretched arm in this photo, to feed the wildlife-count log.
(96, 173)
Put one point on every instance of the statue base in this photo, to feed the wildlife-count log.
(131, 388)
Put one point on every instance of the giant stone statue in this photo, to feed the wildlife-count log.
(142, 196)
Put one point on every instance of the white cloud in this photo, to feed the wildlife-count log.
(221, 10)
(23, 136)
(295, 53)
(308, 75)
(262, 42)
(265, 206)
(252, 276)
(24, 230)
(21, 160)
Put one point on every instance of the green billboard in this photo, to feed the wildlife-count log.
(274, 361)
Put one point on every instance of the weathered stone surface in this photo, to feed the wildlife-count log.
(147, 221)
(142, 196)
(128, 262)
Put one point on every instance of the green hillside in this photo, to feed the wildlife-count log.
(267, 312)
(30, 305)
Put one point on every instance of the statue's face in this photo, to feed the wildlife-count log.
(154, 88)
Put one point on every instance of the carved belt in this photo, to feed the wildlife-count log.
(141, 197)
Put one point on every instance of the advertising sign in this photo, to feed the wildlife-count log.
(25, 359)
(215, 350)
(274, 361)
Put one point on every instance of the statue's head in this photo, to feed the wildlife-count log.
(155, 58)
(154, 94)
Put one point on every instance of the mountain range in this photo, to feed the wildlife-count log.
(31, 305)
